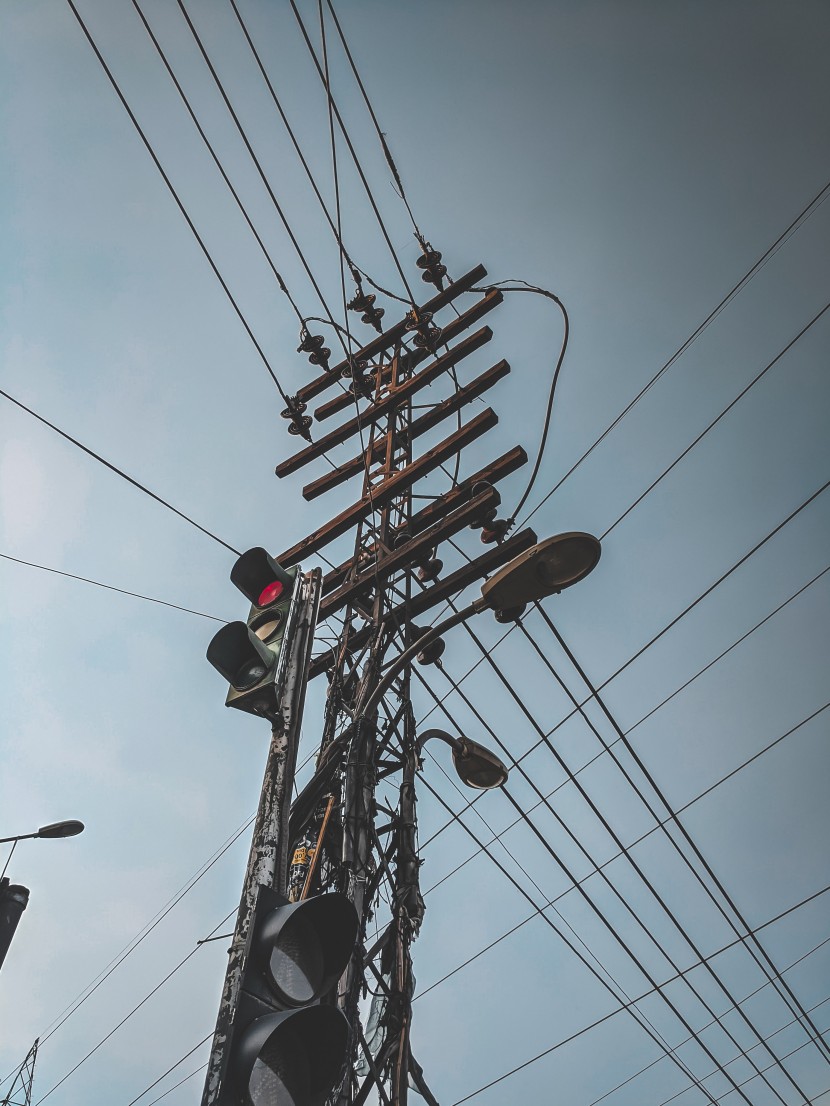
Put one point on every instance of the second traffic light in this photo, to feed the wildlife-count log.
(248, 654)
(287, 1048)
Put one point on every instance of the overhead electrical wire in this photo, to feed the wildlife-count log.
(793, 1021)
(355, 158)
(114, 468)
(559, 1044)
(110, 587)
(669, 697)
(243, 210)
(577, 884)
(263, 176)
(629, 1007)
(390, 161)
(758, 376)
(164, 1075)
(607, 1017)
(803, 215)
(226, 289)
(134, 1010)
(544, 738)
(687, 837)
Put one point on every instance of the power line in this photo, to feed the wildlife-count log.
(578, 884)
(254, 158)
(110, 587)
(627, 1005)
(355, 158)
(132, 945)
(715, 421)
(126, 1017)
(181, 1060)
(805, 214)
(668, 698)
(114, 468)
(390, 161)
(178, 201)
(217, 162)
(824, 1049)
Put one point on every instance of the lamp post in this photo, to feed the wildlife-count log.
(13, 896)
(545, 569)
(476, 766)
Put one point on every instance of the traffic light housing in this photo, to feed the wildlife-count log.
(288, 1048)
(250, 655)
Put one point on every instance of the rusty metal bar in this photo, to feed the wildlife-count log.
(468, 574)
(491, 474)
(389, 337)
(389, 402)
(385, 492)
(420, 426)
(409, 553)
(414, 357)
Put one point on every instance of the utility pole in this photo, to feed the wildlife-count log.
(20, 1092)
(267, 858)
(393, 577)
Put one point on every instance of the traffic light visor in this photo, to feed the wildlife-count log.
(260, 579)
(292, 1058)
(304, 947)
(239, 656)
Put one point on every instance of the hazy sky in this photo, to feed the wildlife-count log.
(635, 157)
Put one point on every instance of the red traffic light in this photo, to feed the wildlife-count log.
(260, 579)
(270, 593)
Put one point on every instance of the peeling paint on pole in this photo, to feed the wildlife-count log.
(267, 859)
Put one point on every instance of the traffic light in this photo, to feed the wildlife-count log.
(250, 655)
(288, 1047)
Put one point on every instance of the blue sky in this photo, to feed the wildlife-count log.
(637, 158)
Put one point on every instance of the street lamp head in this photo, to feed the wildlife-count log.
(544, 569)
(476, 766)
(61, 829)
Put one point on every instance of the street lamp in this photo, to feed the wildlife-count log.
(69, 828)
(14, 897)
(545, 569)
(476, 766)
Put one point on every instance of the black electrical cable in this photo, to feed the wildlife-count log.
(126, 1017)
(629, 1007)
(676, 691)
(297, 147)
(514, 286)
(177, 199)
(691, 606)
(387, 153)
(181, 1060)
(775, 1033)
(597, 869)
(545, 739)
(559, 1044)
(355, 158)
(803, 215)
(110, 587)
(243, 210)
(114, 468)
(715, 421)
(664, 701)
(175, 1086)
(675, 821)
(255, 159)
(648, 833)
(132, 945)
